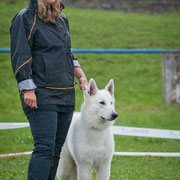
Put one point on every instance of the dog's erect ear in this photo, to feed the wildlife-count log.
(110, 87)
(85, 91)
(92, 87)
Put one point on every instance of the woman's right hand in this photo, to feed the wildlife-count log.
(30, 98)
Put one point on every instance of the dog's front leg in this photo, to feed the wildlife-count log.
(84, 173)
(103, 172)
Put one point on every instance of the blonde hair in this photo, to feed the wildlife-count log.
(49, 13)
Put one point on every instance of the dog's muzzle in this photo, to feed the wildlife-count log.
(113, 117)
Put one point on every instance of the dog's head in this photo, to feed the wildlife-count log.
(100, 103)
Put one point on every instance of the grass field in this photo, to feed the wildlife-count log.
(138, 88)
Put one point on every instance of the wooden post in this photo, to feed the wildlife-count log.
(171, 78)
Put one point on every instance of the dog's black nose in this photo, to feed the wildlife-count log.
(114, 116)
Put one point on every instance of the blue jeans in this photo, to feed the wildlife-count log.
(49, 129)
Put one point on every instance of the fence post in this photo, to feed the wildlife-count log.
(171, 78)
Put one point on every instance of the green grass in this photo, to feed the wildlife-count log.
(138, 88)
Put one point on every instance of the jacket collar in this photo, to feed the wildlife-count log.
(33, 4)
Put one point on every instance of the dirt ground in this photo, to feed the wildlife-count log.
(152, 6)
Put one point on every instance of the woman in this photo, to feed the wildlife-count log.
(44, 68)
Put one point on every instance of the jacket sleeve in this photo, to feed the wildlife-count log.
(21, 58)
(75, 60)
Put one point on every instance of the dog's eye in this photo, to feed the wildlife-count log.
(102, 102)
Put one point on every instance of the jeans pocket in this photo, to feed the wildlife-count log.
(28, 112)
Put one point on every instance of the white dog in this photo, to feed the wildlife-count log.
(90, 143)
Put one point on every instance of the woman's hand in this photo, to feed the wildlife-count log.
(30, 98)
(79, 74)
(83, 82)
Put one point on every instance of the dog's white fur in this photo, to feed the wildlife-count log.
(90, 143)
